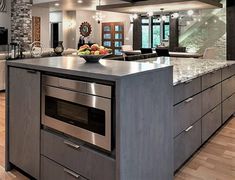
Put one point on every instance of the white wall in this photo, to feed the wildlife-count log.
(45, 33)
(86, 16)
(5, 19)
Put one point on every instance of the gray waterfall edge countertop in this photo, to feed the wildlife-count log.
(186, 69)
(105, 69)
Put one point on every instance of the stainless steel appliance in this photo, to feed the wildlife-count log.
(78, 108)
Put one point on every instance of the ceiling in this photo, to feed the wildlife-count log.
(72, 4)
(125, 6)
(157, 5)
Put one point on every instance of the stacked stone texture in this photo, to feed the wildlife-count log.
(21, 21)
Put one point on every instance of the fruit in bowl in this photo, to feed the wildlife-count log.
(93, 53)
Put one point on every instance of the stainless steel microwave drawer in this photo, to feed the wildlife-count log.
(187, 89)
(228, 87)
(211, 122)
(228, 72)
(186, 144)
(187, 113)
(53, 171)
(76, 157)
(211, 79)
(211, 98)
(228, 108)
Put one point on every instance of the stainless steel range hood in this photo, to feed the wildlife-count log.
(143, 6)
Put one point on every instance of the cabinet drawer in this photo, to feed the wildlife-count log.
(187, 113)
(185, 90)
(186, 144)
(228, 72)
(228, 108)
(211, 98)
(78, 158)
(51, 171)
(228, 87)
(211, 79)
(211, 122)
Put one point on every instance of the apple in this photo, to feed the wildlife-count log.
(103, 51)
(102, 47)
(95, 47)
(97, 53)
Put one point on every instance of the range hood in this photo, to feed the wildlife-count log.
(143, 6)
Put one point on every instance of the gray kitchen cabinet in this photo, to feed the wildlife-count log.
(187, 89)
(228, 72)
(211, 79)
(75, 156)
(211, 122)
(228, 108)
(211, 98)
(186, 144)
(24, 120)
(53, 171)
(228, 87)
(187, 113)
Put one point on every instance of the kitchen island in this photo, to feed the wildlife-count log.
(204, 99)
(128, 140)
(200, 97)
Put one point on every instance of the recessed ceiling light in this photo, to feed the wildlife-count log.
(57, 4)
(80, 1)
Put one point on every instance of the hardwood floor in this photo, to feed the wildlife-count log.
(13, 175)
(215, 161)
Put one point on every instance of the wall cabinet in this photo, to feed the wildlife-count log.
(24, 120)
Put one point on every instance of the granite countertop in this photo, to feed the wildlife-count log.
(105, 69)
(186, 69)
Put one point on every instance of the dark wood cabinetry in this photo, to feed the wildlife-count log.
(24, 120)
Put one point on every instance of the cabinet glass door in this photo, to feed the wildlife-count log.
(113, 36)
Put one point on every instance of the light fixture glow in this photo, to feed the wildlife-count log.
(164, 18)
(135, 16)
(150, 14)
(80, 1)
(175, 15)
(190, 12)
(57, 4)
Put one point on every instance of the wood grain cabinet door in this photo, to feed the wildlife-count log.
(24, 120)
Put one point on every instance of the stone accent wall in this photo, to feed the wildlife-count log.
(21, 21)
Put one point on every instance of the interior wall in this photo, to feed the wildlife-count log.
(5, 19)
(44, 14)
(69, 29)
(87, 16)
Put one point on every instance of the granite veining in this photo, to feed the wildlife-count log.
(186, 69)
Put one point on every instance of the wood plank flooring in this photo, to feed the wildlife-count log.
(215, 161)
(13, 175)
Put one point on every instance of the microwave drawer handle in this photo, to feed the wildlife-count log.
(72, 173)
(70, 144)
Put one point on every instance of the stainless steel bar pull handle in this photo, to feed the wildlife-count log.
(72, 173)
(189, 100)
(188, 129)
(68, 143)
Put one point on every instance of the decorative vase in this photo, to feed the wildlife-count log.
(59, 49)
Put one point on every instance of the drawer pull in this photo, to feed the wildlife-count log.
(72, 173)
(68, 143)
(32, 72)
(189, 100)
(188, 129)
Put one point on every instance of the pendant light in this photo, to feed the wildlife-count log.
(98, 16)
